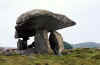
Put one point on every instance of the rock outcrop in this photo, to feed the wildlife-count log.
(56, 42)
(21, 44)
(39, 23)
(41, 38)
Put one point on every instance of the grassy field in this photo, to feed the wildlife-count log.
(70, 57)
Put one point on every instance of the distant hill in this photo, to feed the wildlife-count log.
(87, 45)
(67, 45)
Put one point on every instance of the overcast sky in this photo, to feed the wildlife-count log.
(85, 13)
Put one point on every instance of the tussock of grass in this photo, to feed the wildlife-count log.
(70, 57)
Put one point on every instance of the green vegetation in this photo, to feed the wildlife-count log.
(67, 45)
(79, 56)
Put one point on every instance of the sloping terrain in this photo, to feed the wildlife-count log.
(79, 56)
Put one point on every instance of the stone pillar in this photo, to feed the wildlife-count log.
(22, 44)
(56, 42)
(42, 41)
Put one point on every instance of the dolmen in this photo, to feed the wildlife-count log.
(43, 26)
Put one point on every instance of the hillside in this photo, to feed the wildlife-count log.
(84, 56)
(87, 45)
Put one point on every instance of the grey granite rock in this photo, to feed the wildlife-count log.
(38, 23)
(56, 42)
(41, 38)
(21, 44)
(29, 22)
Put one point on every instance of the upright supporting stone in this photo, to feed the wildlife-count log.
(22, 44)
(42, 41)
(56, 42)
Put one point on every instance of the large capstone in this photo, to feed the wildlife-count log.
(56, 42)
(28, 23)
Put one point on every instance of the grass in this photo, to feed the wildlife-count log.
(79, 56)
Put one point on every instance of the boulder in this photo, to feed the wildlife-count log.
(21, 44)
(42, 41)
(56, 42)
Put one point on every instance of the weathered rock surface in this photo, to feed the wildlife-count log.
(41, 38)
(21, 44)
(56, 42)
(38, 23)
(29, 22)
